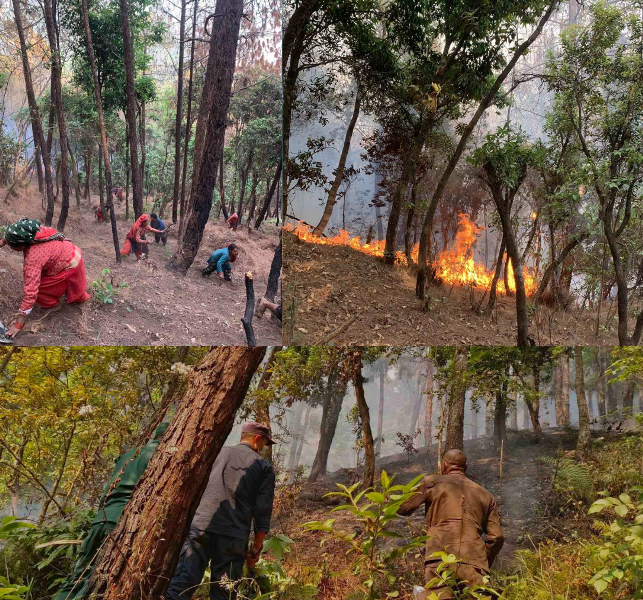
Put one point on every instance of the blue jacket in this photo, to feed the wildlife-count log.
(160, 226)
(220, 257)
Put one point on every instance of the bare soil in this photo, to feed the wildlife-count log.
(521, 495)
(158, 307)
(326, 286)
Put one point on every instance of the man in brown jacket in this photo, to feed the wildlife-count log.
(459, 513)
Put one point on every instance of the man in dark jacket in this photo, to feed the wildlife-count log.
(459, 513)
(109, 512)
(241, 488)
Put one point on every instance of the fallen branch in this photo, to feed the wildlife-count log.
(337, 331)
(294, 218)
(246, 320)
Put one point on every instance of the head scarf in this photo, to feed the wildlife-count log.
(140, 222)
(24, 231)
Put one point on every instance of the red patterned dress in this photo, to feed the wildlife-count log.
(52, 269)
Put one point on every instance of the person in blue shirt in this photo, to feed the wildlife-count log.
(221, 261)
(156, 223)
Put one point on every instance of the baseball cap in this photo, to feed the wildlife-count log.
(258, 429)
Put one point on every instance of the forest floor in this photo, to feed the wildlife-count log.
(326, 286)
(158, 307)
(522, 498)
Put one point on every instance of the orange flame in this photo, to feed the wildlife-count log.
(454, 265)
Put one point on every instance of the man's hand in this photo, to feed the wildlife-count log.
(252, 561)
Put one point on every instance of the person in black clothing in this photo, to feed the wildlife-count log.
(241, 488)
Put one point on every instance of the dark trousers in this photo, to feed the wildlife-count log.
(465, 575)
(225, 555)
(212, 267)
(73, 588)
(160, 238)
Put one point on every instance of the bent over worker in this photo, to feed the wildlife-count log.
(125, 476)
(241, 488)
(461, 518)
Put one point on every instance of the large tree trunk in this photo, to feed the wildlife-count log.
(139, 558)
(179, 116)
(584, 435)
(36, 124)
(428, 414)
(275, 271)
(210, 133)
(103, 135)
(367, 434)
(56, 89)
(130, 93)
(339, 172)
(380, 416)
(455, 425)
(266, 203)
(490, 96)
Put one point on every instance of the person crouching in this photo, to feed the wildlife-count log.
(221, 261)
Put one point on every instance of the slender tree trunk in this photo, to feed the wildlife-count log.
(262, 409)
(210, 134)
(127, 172)
(74, 172)
(101, 188)
(130, 113)
(103, 136)
(601, 384)
(144, 188)
(533, 405)
(179, 116)
(500, 419)
(428, 415)
(245, 174)
(489, 413)
(409, 223)
(273, 276)
(302, 437)
(339, 172)
(367, 435)
(496, 277)
(584, 436)
(380, 415)
(88, 175)
(39, 173)
(141, 554)
(296, 432)
(253, 199)
(474, 421)
(34, 114)
(564, 402)
(455, 425)
(266, 203)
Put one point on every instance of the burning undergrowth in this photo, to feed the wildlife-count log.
(455, 265)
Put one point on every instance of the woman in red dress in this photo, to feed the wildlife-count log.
(52, 266)
(134, 239)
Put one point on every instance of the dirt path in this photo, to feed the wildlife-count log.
(157, 307)
(520, 498)
(328, 285)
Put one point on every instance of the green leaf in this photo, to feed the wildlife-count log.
(375, 497)
(621, 510)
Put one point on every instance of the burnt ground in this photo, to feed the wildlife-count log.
(158, 307)
(521, 498)
(325, 286)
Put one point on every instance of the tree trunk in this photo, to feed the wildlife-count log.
(245, 174)
(130, 93)
(428, 414)
(302, 439)
(296, 432)
(417, 404)
(253, 198)
(534, 405)
(141, 125)
(101, 187)
(513, 414)
(339, 172)
(39, 173)
(584, 436)
(367, 435)
(210, 133)
(601, 384)
(332, 408)
(409, 223)
(103, 135)
(490, 96)
(474, 420)
(380, 415)
(141, 554)
(455, 424)
(88, 175)
(179, 116)
(275, 271)
(266, 203)
(74, 172)
(496, 277)
(564, 398)
(500, 419)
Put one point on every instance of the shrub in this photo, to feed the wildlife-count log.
(105, 290)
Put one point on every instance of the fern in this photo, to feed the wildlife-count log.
(572, 476)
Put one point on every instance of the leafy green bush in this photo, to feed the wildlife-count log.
(572, 477)
(105, 290)
(372, 562)
(8, 590)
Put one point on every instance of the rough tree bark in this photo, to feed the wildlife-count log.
(584, 436)
(275, 271)
(455, 423)
(140, 556)
(36, 124)
(103, 135)
(339, 172)
(130, 113)
(367, 434)
(262, 409)
(211, 126)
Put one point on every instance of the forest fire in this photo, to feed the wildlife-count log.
(454, 265)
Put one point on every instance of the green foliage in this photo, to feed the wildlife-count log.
(373, 562)
(12, 591)
(571, 477)
(105, 289)
(445, 576)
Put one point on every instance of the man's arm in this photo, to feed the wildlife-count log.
(494, 538)
(415, 501)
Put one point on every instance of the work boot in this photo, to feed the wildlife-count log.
(207, 271)
(227, 275)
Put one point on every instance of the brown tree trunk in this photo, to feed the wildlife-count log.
(39, 173)
(380, 416)
(601, 384)
(74, 172)
(474, 421)
(36, 124)
(179, 116)
(488, 417)
(584, 436)
(296, 432)
(88, 175)
(302, 439)
(513, 414)
(141, 125)
(130, 113)
(428, 414)
(500, 419)
(245, 174)
(455, 424)
(101, 187)
(275, 272)
(253, 200)
(493, 292)
(103, 136)
(271, 192)
(210, 133)
(339, 172)
(140, 556)
(367, 434)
